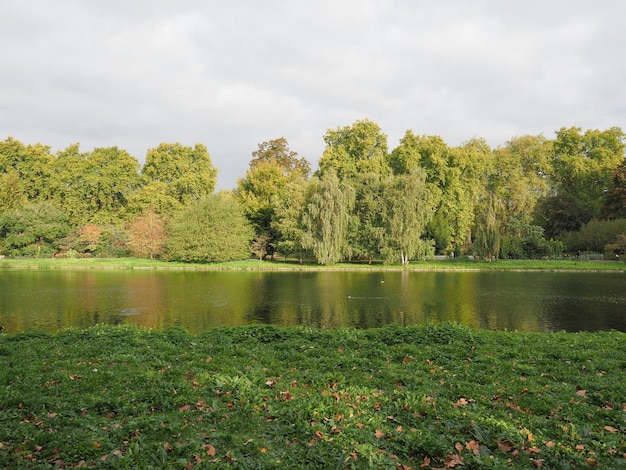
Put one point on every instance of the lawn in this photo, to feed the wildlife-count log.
(430, 396)
(460, 263)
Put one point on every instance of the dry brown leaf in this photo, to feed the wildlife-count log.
(505, 447)
(611, 429)
(581, 393)
(379, 434)
(453, 461)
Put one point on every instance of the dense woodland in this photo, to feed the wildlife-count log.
(532, 197)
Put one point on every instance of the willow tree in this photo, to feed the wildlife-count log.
(326, 218)
(488, 229)
(407, 209)
(452, 175)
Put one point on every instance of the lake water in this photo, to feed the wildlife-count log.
(527, 301)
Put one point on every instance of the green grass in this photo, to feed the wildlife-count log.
(460, 263)
(433, 396)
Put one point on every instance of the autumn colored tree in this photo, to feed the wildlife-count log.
(147, 235)
(278, 152)
(271, 169)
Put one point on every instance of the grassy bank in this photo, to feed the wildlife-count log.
(260, 397)
(461, 263)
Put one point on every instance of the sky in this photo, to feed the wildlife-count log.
(233, 74)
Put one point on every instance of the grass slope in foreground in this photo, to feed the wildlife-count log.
(441, 396)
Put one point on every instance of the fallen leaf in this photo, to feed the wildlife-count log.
(581, 393)
(453, 461)
(550, 444)
(538, 463)
(461, 402)
(458, 446)
(210, 450)
(505, 447)
(473, 446)
(611, 429)
(426, 462)
(379, 434)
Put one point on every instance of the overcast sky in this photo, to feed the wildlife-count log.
(232, 74)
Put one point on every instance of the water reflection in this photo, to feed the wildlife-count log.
(51, 300)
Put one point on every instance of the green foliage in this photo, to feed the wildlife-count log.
(357, 149)
(214, 229)
(31, 163)
(34, 230)
(287, 223)
(11, 191)
(615, 202)
(94, 187)
(583, 165)
(595, 235)
(326, 218)
(488, 229)
(430, 396)
(188, 173)
(406, 211)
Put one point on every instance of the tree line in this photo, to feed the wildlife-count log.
(530, 197)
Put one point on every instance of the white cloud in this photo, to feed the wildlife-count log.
(233, 74)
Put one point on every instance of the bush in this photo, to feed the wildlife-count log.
(212, 230)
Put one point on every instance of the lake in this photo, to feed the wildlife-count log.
(50, 300)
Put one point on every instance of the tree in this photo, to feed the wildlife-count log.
(32, 164)
(615, 203)
(33, 230)
(356, 149)
(278, 151)
(213, 229)
(452, 178)
(488, 230)
(367, 226)
(147, 236)
(272, 168)
(188, 172)
(11, 191)
(582, 174)
(94, 187)
(326, 218)
(407, 209)
(288, 223)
